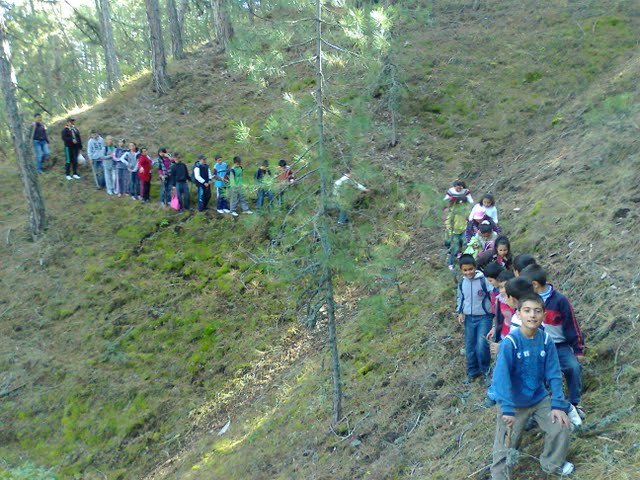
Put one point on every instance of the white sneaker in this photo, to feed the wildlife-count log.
(235, 214)
(226, 210)
(574, 417)
(68, 177)
(77, 177)
(565, 470)
(220, 211)
(248, 212)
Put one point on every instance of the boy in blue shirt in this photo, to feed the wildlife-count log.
(527, 362)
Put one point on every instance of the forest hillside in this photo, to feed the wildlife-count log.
(142, 343)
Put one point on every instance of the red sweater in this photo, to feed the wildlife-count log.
(144, 171)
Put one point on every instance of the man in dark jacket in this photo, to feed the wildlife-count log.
(72, 147)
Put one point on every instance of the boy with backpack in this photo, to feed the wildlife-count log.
(474, 312)
(236, 187)
(527, 362)
(562, 326)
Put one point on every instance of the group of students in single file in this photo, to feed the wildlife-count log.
(510, 310)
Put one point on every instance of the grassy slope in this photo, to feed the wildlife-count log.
(537, 104)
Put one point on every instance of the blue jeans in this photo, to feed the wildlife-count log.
(204, 195)
(134, 184)
(99, 170)
(182, 189)
(572, 371)
(262, 193)
(41, 149)
(476, 346)
(221, 198)
(165, 192)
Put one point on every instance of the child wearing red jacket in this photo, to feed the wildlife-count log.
(144, 174)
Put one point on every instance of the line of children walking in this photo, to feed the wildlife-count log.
(527, 323)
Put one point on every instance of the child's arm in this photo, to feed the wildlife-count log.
(570, 328)
(502, 379)
(459, 304)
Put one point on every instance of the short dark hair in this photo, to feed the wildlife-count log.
(467, 260)
(217, 157)
(530, 297)
(517, 287)
(282, 163)
(38, 114)
(493, 270)
(522, 261)
(485, 228)
(237, 159)
(459, 183)
(265, 163)
(535, 273)
(505, 276)
(162, 150)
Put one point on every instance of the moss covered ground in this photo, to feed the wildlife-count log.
(133, 334)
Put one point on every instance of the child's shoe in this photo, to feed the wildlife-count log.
(574, 417)
(77, 177)
(248, 212)
(235, 214)
(451, 267)
(69, 177)
(565, 470)
(220, 211)
(580, 411)
(226, 210)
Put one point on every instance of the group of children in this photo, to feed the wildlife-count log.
(126, 170)
(509, 309)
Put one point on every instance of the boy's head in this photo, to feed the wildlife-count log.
(491, 273)
(177, 157)
(536, 275)
(467, 266)
(458, 185)
(503, 278)
(202, 159)
(282, 163)
(521, 262)
(162, 152)
(237, 160)
(264, 164)
(93, 134)
(37, 117)
(531, 311)
(218, 158)
(515, 289)
(143, 150)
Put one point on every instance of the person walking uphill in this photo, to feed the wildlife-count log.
(236, 186)
(72, 147)
(343, 200)
(179, 177)
(38, 136)
(202, 175)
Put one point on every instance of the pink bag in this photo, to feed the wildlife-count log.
(175, 202)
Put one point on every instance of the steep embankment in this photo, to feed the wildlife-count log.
(133, 335)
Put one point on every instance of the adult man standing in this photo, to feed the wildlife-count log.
(38, 135)
(203, 176)
(72, 146)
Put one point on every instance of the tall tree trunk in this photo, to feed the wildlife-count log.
(37, 217)
(323, 225)
(108, 44)
(224, 29)
(158, 59)
(176, 30)
(182, 8)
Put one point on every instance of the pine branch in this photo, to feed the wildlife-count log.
(339, 49)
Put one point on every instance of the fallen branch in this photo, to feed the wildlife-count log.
(11, 390)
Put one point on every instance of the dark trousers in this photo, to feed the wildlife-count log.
(183, 194)
(145, 187)
(134, 184)
(165, 192)
(204, 195)
(71, 159)
(221, 199)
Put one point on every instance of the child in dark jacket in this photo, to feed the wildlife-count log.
(474, 312)
(562, 326)
(179, 177)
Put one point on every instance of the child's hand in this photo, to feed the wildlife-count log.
(558, 416)
(508, 419)
(460, 318)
